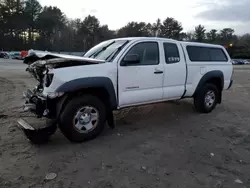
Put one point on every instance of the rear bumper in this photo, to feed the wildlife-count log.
(230, 85)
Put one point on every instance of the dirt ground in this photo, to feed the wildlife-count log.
(163, 145)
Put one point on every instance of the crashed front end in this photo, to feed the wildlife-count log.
(43, 103)
(40, 105)
(43, 99)
(37, 101)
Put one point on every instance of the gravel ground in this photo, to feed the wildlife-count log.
(163, 145)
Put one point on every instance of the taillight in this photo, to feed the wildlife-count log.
(48, 79)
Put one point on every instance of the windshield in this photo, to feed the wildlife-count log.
(106, 50)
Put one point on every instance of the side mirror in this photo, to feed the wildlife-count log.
(131, 59)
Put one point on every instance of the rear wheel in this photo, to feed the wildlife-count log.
(83, 118)
(206, 98)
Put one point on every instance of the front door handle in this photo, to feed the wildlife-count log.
(158, 71)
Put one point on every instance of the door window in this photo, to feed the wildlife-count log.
(147, 51)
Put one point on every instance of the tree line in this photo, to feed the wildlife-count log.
(25, 24)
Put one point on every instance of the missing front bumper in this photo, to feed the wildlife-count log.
(24, 125)
(39, 135)
(40, 106)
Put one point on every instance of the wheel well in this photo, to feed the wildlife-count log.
(217, 82)
(99, 92)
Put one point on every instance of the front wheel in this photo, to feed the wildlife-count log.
(206, 98)
(83, 118)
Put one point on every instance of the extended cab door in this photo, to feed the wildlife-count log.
(174, 71)
(141, 81)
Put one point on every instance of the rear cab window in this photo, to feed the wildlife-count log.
(206, 54)
(171, 53)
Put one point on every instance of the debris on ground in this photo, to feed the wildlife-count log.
(238, 181)
(50, 176)
(218, 184)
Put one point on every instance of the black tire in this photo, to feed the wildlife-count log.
(199, 99)
(66, 124)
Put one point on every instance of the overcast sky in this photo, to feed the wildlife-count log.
(116, 13)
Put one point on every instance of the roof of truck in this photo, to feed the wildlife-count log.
(200, 44)
(144, 38)
(185, 43)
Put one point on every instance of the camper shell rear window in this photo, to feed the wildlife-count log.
(200, 53)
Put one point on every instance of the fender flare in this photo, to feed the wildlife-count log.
(91, 82)
(208, 76)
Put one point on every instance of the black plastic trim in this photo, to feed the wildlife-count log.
(158, 72)
(91, 82)
(230, 85)
(185, 85)
(208, 76)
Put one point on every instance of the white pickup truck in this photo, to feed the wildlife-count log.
(81, 93)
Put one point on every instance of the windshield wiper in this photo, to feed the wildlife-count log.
(116, 51)
(103, 49)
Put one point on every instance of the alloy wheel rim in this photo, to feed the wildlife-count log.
(86, 119)
(209, 99)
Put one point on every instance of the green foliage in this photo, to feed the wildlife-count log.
(242, 47)
(212, 36)
(25, 24)
(171, 28)
(199, 33)
(134, 29)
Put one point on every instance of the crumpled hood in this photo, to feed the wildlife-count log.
(39, 68)
(63, 62)
(49, 55)
(35, 55)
